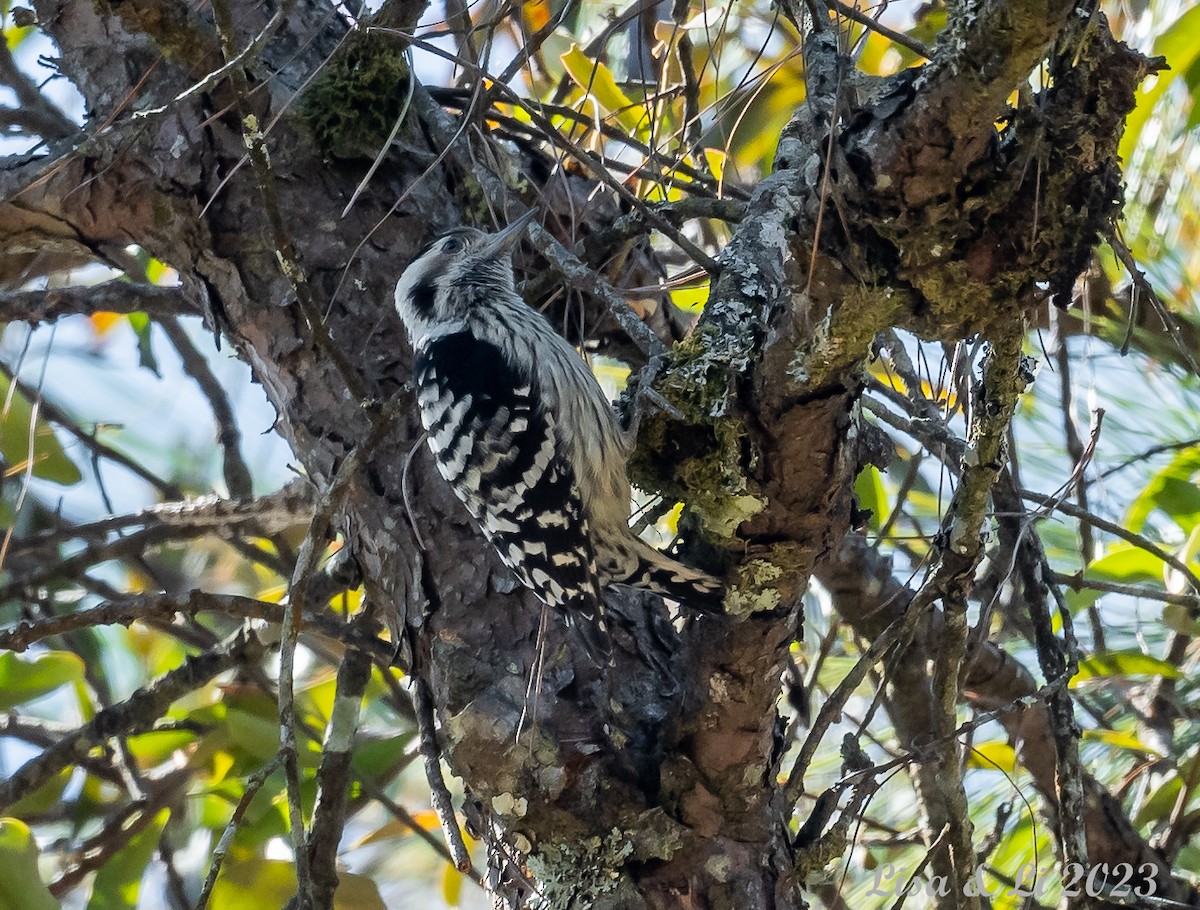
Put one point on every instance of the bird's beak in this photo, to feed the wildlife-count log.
(505, 241)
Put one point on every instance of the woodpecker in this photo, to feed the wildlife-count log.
(521, 430)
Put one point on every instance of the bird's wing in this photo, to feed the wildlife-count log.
(500, 452)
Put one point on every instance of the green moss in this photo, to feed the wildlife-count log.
(354, 103)
(843, 339)
(700, 461)
(829, 847)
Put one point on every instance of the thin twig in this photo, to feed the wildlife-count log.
(43, 117)
(578, 153)
(137, 713)
(254, 783)
(1077, 582)
(856, 15)
(443, 807)
(237, 473)
(307, 558)
(1058, 505)
(285, 250)
(1145, 289)
(60, 418)
(901, 629)
(116, 296)
(274, 512)
(129, 821)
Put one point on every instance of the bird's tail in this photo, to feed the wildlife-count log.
(663, 575)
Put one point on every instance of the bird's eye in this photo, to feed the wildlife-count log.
(452, 245)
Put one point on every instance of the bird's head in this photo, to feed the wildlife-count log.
(460, 269)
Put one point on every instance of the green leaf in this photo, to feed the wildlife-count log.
(50, 462)
(1123, 663)
(157, 746)
(1161, 803)
(1127, 565)
(1192, 78)
(835, 669)
(140, 323)
(1178, 618)
(871, 494)
(375, 758)
(22, 679)
(21, 886)
(1028, 838)
(44, 798)
(120, 878)
(255, 883)
(1173, 491)
(1080, 600)
(1179, 45)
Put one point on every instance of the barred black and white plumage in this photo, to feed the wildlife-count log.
(523, 433)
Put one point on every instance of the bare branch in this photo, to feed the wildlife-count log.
(38, 114)
(854, 14)
(270, 514)
(116, 296)
(334, 777)
(1058, 505)
(121, 828)
(165, 607)
(868, 596)
(432, 756)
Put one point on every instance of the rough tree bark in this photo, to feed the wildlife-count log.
(893, 202)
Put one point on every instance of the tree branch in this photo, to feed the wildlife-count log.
(868, 596)
(136, 714)
(37, 113)
(237, 474)
(334, 776)
(115, 296)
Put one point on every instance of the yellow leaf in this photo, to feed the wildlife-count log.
(716, 159)
(158, 272)
(993, 756)
(428, 820)
(597, 80)
(691, 298)
(537, 14)
(395, 828)
(222, 764)
(14, 35)
(670, 522)
(882, 371)
(452, 881)
(1117, 740)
